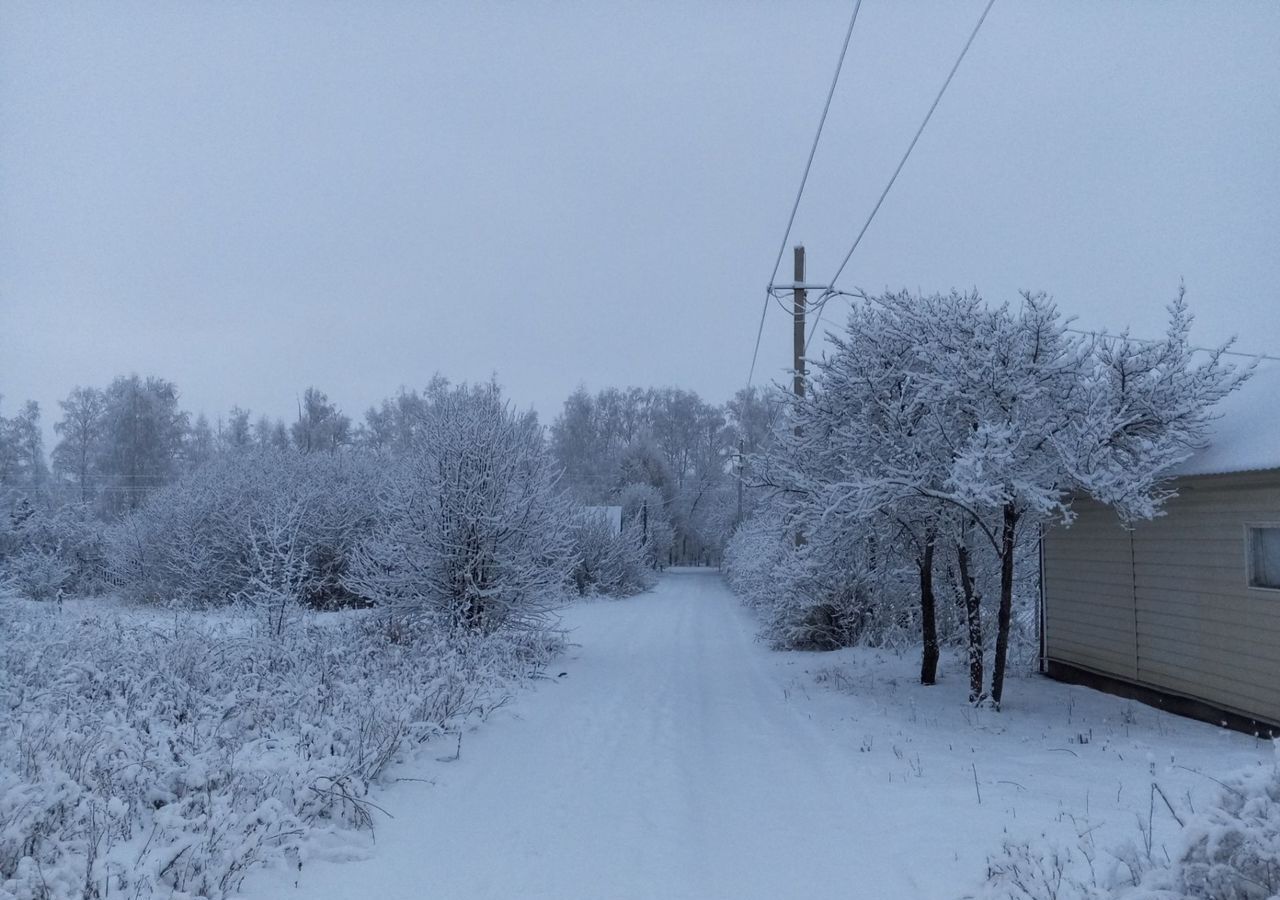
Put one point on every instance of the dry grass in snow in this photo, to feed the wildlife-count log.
(152, 754)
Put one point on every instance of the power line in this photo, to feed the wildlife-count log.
(1127, 337)
(813, 149)
(919, 131)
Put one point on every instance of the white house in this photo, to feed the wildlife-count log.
(1182, 611)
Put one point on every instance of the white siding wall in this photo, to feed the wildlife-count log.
(1089, 607)
(1168, 606)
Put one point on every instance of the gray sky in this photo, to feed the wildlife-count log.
(248, 198)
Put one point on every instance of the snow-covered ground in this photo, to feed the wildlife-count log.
(164, 753)
(671, 755)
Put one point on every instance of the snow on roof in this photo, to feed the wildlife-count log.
(1246, 435)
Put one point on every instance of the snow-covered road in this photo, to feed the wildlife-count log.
(677, 757)
(668, 762)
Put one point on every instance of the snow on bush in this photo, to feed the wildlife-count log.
(846, 587)
(165, 756)
(826, 593)
(249, 526)
(752, 559)
(1233, 850)
(608, 563)
(47, 547)
(475, 532)
(1230, 851)
(776, 579)
(37, 573)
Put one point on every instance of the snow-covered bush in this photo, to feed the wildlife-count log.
(753, 557)
(69, 534)
(836, 589)
(266, 527)
(37, 573)
(606, 562)
(773, 577)
(164, 756)
(1230, 851)
(475, 531)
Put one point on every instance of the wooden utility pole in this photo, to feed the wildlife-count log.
(741, 462)
(801, 295)
(798, 342)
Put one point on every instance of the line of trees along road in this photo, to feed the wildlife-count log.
(665, 455)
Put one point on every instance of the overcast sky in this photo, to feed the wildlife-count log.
(249, 198)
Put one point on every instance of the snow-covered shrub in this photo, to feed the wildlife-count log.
(68, 532)
(767, 570)
(825, 603)
(266, 527)
(753, 557)
(826, 593)
(165, 755)
(475, 531)
(37, 573)
(608, 563)
(1229, 851)
(1232, 851)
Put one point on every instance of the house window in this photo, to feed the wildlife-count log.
(1264, 556)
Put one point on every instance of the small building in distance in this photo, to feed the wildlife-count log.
(1183, 611)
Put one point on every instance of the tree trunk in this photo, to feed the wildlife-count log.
(1007, 541)
(928, 616)
(973, 618)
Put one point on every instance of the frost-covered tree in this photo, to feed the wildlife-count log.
(868, 425)
(969, 424)
(378, 431)
(47, 548)
(394, 424)
(476, 531)
(644, 511)
(238, 434)
(200, 443)
(320, 425)
(607, 562)
(584, 449)
(143, 438)
(1146, 406)
(22, 463)
(752, 418)
(1048, 414)
(269, 434)
(665, 437)
(80, 433)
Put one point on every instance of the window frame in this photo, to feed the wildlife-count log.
(1249, 528)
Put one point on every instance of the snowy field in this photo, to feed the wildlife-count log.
(672, 756)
